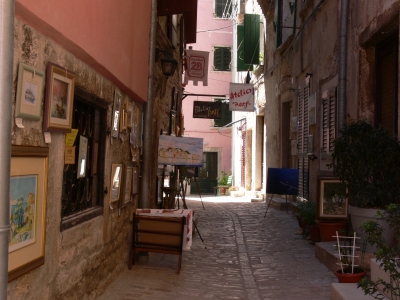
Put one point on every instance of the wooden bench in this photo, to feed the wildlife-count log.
(157, 234)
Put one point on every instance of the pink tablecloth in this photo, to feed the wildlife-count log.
(188, 213)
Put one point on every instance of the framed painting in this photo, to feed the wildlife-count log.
(125, 196)
(116, 174)
(135, 179)
(116, 113)
(28, 187)
(59, 99)
(332, 201)
(28, 104)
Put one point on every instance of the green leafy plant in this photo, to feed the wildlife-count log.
(388, 257)
(223, 179)
(367, 160)
(307, 212)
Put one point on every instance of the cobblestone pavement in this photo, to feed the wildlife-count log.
(247, 256)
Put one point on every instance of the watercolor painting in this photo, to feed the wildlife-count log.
(22, 211)
(180, 151)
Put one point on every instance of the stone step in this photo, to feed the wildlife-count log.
(347, 291)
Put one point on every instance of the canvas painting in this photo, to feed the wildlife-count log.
(22, 211)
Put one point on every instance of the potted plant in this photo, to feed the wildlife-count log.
(349, 272)
(366, 160)
(306, 214)
(387, 256)
(223, 183)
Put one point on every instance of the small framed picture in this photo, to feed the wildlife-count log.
(173, 123)
(125, 196)
(332, 201)
(59, 100)
(135, 179)
(116, 113)
(116, 176)
(28, 104)
(82, 158)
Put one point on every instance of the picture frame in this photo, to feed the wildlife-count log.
(172, 123)
(332, 203)
(126, 195)
(116, 113)
(28, 199)
(116, 177)
(135, 179)
(29, 98)
(59, 99)
(82, 157)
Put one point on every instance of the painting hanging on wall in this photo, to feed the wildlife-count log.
(28, 186)
(59, 100)
(28, 104)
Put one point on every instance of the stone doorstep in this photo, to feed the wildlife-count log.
(347, 291)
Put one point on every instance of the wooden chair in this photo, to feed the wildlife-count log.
(157, 234)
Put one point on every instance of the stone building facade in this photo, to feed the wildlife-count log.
(85, 250)
(325, 62)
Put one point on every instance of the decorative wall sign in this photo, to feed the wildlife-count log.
(197, 67)
(241, 97)
(207, 109)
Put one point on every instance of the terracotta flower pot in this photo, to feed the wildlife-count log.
(314, 233)
(350, 278)
(328, 230)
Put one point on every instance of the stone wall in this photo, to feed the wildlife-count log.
(81, 261)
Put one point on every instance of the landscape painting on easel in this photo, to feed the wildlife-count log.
(180, 151)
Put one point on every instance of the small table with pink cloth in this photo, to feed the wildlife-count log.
(188, 213)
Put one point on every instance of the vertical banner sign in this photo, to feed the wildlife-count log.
(241, 97)
(196, 67)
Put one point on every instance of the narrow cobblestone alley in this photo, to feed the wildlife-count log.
(247, 256)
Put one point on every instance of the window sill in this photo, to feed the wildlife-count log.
(79, 218)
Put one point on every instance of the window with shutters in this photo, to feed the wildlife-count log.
(222, 59)
(223, 9)
(302, 138)
(328, 120)
(226, 114)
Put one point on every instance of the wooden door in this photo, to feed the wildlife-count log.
(208, 174)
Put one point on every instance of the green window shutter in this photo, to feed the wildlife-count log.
(241, 66)
(252, 39)
(226, 116)
(278, 23)
(222, 59)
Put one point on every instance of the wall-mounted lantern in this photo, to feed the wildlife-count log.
(168, 62)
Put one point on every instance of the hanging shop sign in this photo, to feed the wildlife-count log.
(207, 109)
(241, 97)
(196, 67)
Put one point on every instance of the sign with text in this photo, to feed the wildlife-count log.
(241, 97)
(207, 110)
(196, 67)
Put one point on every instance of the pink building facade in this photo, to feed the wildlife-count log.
(214, 35)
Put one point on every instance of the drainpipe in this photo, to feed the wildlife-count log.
(148, 115)
(6, 82)
(342, 63)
